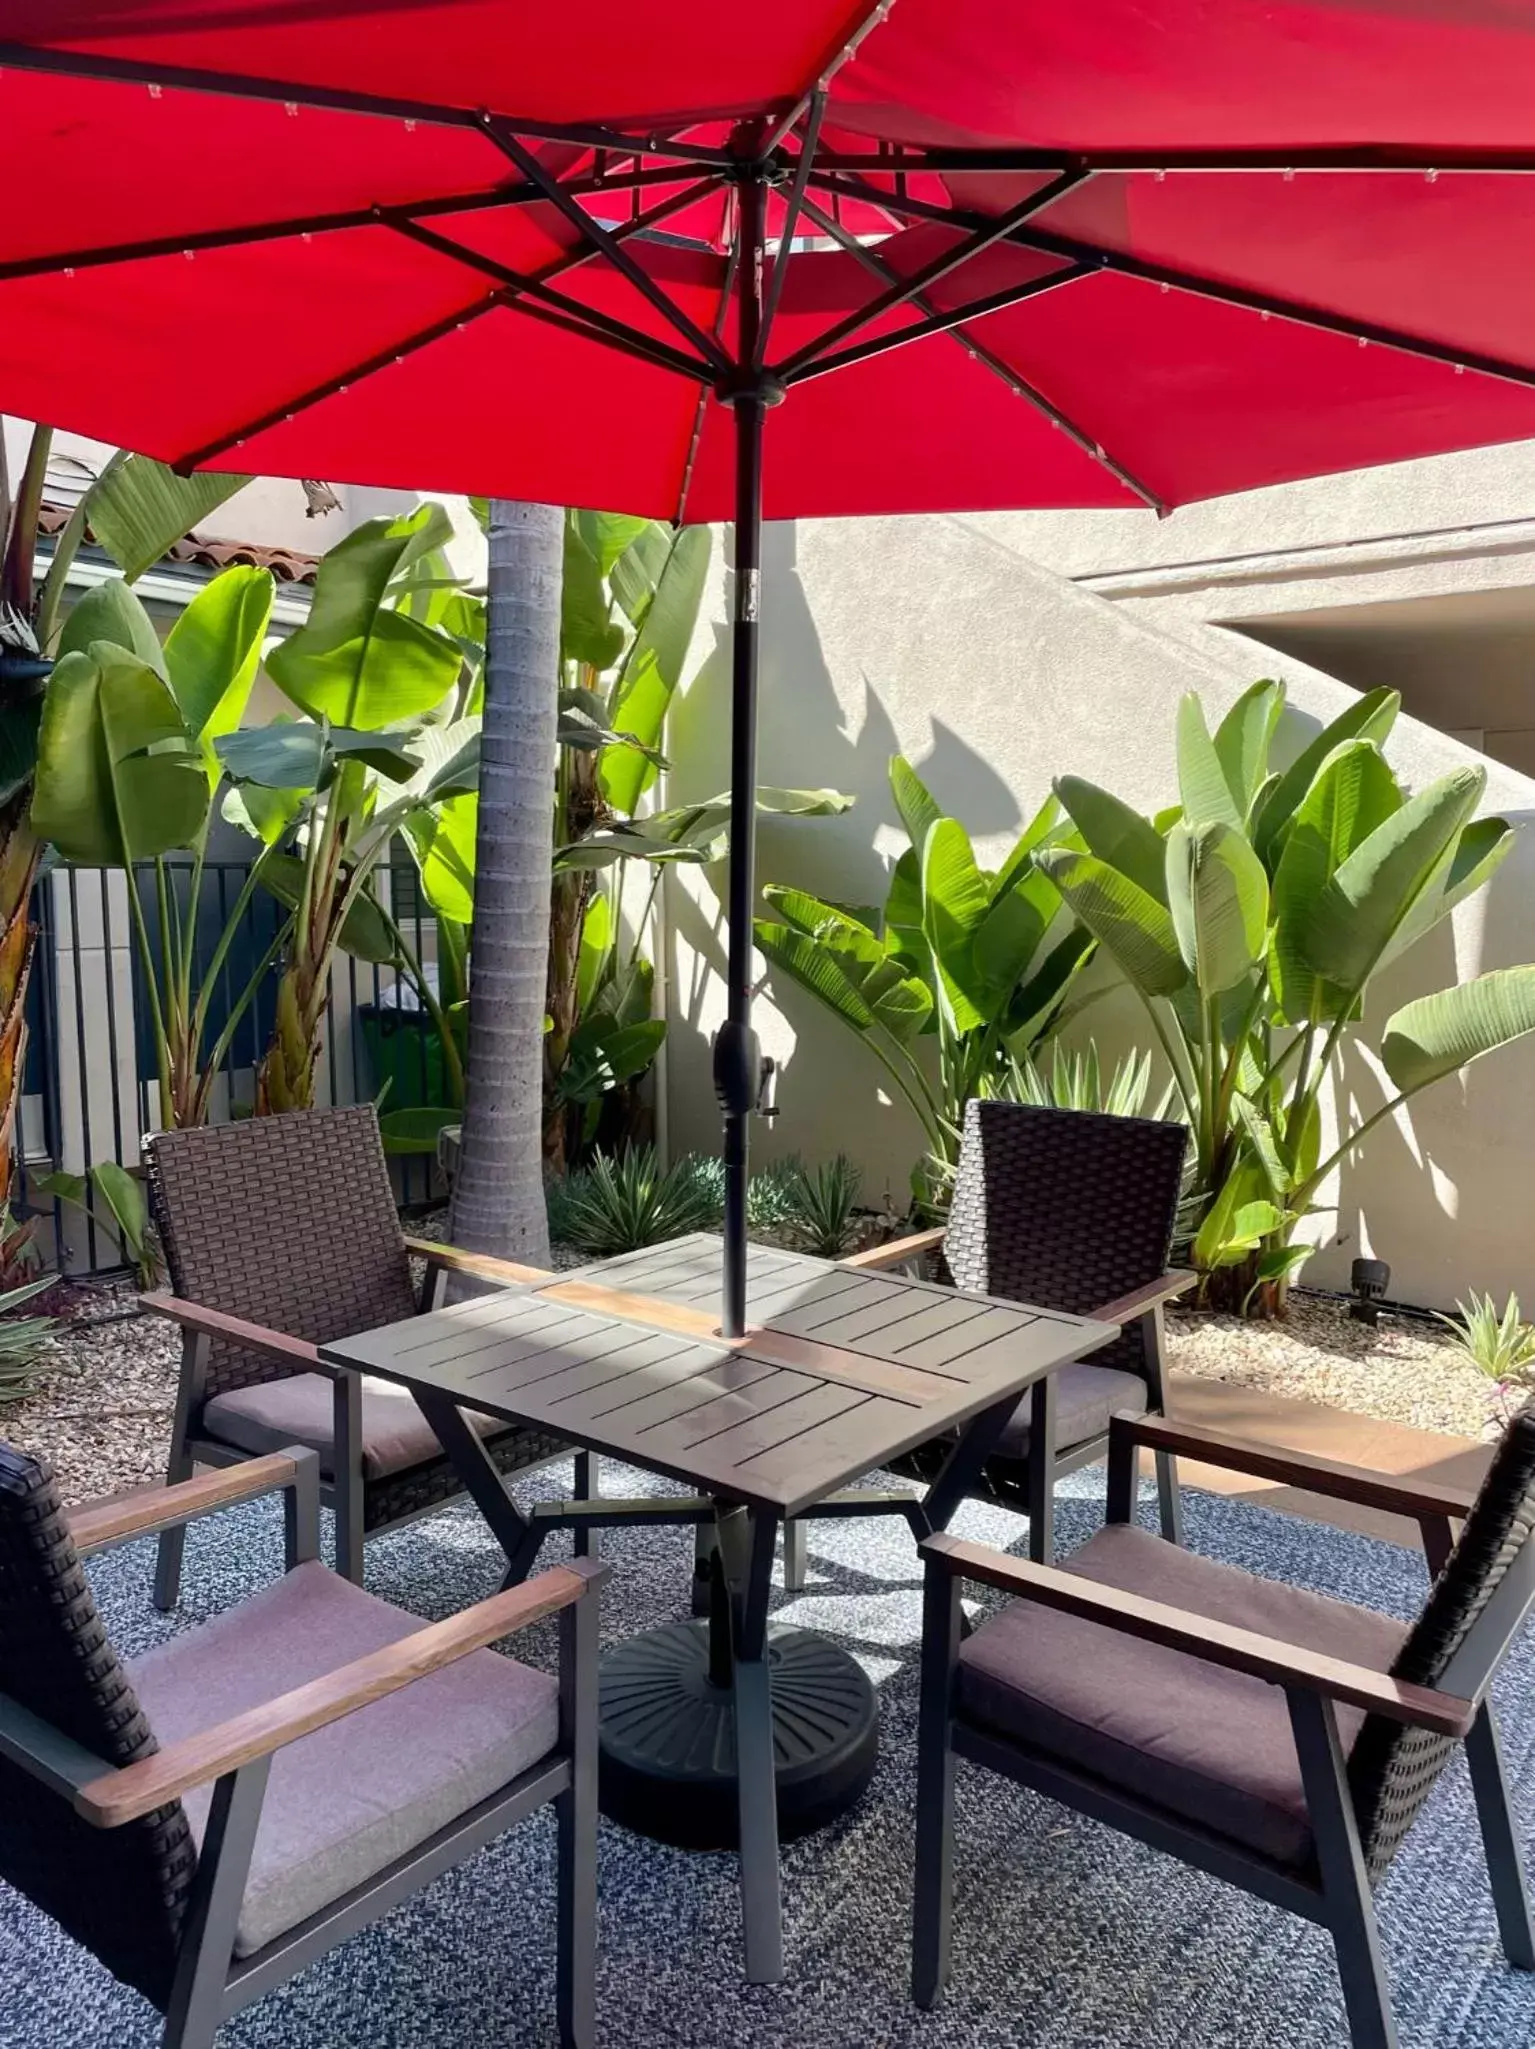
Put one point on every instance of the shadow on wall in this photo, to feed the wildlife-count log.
(805, 740)
(1447, 1185)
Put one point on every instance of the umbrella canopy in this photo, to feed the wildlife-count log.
(817, 257)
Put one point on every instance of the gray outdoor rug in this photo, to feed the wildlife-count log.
(1067, 1936)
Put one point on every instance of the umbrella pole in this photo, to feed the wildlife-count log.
(737, 1063)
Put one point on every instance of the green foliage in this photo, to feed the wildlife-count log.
(624, 1201)
(1501, 1346)
(24, 1341)
(823, 1204)
(1074, 1081)
(980, 960)
(109, 1188)
(1253, 939)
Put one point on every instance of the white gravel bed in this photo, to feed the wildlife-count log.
(1404, 1370)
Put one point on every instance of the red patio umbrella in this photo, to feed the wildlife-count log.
(1035, 254)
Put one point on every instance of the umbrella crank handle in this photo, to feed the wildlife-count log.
(745, 1080)
(767, 1090)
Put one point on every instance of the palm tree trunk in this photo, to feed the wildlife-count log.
(498, 1194)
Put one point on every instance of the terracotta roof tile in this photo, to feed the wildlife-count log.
(288, 565)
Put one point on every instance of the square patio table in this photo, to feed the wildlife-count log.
(839, 1372)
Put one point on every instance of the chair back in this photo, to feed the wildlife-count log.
(1067, 1209)
(119, 1891)
(1475, 1606)
(288, 1221)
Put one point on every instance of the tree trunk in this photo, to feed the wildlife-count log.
(498, 1195)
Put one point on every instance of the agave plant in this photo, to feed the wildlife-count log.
(982, 960)
(627, 1200)
(1500, 1345)
(24, 1340)
(1251, 919)
(823, 1202)
(1074, 1081)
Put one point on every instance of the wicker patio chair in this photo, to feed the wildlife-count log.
(281, 1234)
(325, 1754)
(1067, 1210)
(1279, 1740)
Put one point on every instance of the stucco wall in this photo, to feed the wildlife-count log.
(940, 639)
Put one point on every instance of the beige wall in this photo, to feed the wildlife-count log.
(941, 638)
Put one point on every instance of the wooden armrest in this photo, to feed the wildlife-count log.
(897, 1252)
(138, 1789)
(254, 1337)
(482, 1263)
(1176, 1281)
(1217, 1643)
(1394, 1495)
(95, 1524)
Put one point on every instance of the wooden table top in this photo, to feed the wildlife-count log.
(840, 1371)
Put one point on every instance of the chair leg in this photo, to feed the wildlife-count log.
(1350, 1910)
(576, 1818)
(1169, 1500)
(189, 1396)
(794, 1557)
(1041, 1471)
(933, 1896)
(347, 1488)
(196, 2004)
(588, 1487)
(1500, 1844)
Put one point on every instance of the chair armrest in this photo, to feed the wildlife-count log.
(1395, 1496)
(482, 1263)
(1176, 1281)
(138, 1789)
(252, 1337)
(96, 1524)
(897, 1252)
(1216, 1643)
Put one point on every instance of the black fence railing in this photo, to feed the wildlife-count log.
(90, 1089)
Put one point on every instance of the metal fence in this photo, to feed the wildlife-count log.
(90, 1087)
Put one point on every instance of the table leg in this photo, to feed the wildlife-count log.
(962, 1468)
(748, 1538)
(518, 1535)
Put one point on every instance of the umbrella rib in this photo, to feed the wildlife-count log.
(939, 323)
(600, 326)
(1000, 368)
(1366, 157)
(903, 289)
(792, 208)
(337, 100)
(607, 245)
(1093, 256)
(841, 53)
(396, 352)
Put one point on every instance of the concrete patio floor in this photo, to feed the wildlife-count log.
(1328, 1433)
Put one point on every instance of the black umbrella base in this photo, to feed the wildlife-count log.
(668, 1742)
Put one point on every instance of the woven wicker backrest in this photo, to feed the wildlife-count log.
(1064, 1208)
(119, 1891)
(288, 1221)
(1392, 1769)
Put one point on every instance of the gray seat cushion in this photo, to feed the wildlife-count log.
(269, 1415)
(347, 1801)
(1210, 1746)
(1085, 1398)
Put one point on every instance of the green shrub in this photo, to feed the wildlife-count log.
(23, 1341)
(624, 1201)
(822, 1202)
(1502, 1347)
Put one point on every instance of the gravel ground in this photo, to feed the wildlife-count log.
(1405, 1370)
(103, 1412)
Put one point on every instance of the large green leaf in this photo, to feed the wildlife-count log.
(1370, 718)
(1438, 1035)
(1116, 834)
(213, 651)
(603, 1054)
(1476, 856)
(443, 840)
(843, 964)
(1203, 789)
(595, 948)
(357, 661)
(293, 754)
(691, 832)
(1353, 794)
(956, 899)
(139, 508)
(610, 534)
(1041, 828)
(416, 1131)
(1135, 929)
(652, 670)
(918, 807)
(1242, 741)
(112, 612)
(588, 631)
(1218, 896)
(102, 797)
(1367, 900)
